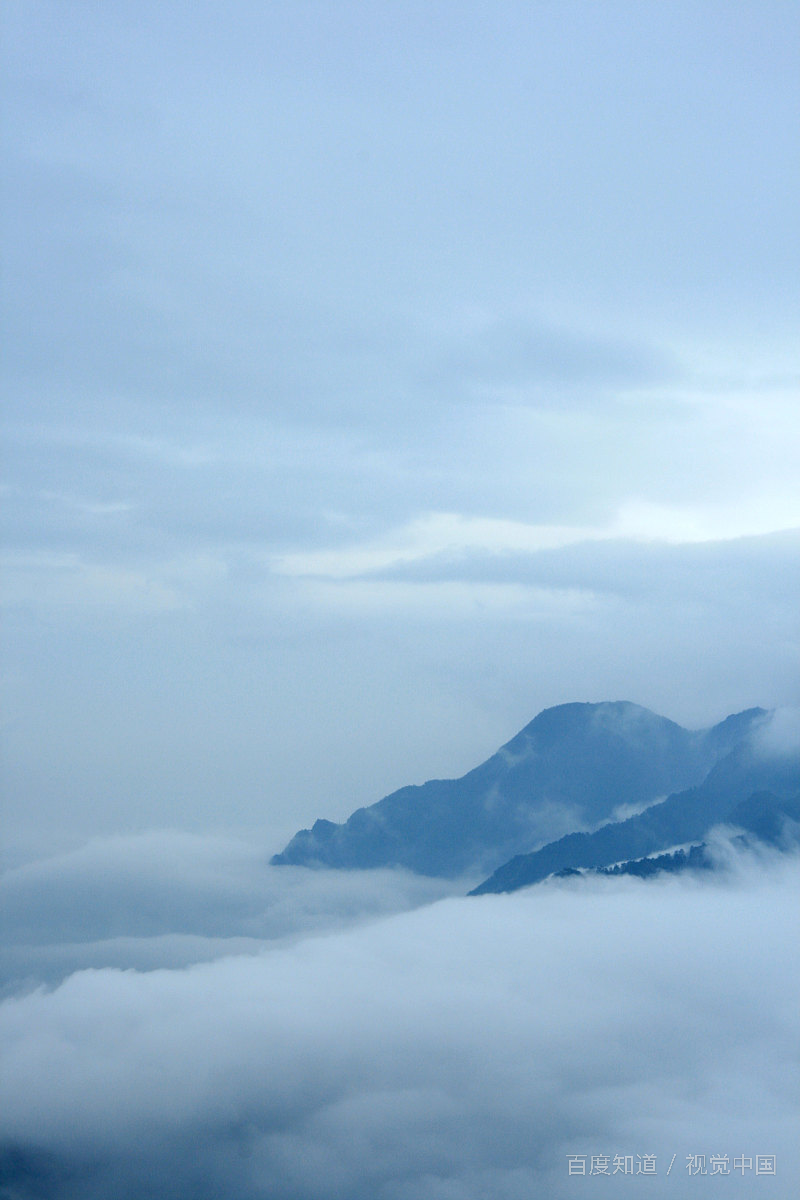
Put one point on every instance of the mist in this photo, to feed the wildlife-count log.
(170, 898)
(463, 1049)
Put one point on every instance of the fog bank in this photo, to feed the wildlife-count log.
(462, 1050)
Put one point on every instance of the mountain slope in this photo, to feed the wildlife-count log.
(570, 768)
(683, 817)
(766, 819)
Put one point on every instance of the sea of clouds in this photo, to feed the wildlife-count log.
(181, 1021)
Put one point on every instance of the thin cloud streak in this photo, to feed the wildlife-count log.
(440, 534)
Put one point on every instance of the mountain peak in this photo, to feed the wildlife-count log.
(563, 719)
(571, 768)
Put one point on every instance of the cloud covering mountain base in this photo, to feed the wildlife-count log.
(166, 898)
(455, 1052)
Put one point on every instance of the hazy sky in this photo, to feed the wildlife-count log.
(378, 374)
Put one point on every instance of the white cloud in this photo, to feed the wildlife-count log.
(436, 533)
(166, 897)
(642, 520)
(780, 733)
(443, 535)
(462, 1050)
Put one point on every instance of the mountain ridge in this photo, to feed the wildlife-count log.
(765, 819)
(682, 817)
(570, 768)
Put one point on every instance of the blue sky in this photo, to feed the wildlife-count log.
(377, 375)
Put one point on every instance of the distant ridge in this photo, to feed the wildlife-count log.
(569, 769)
(733, 791)
(765, 818)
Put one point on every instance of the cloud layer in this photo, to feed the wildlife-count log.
(165, 898)
(458, 1052)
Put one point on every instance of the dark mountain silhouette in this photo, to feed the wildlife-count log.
(766, 818)
(571, 768)
(730, 793)
(771, 819)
